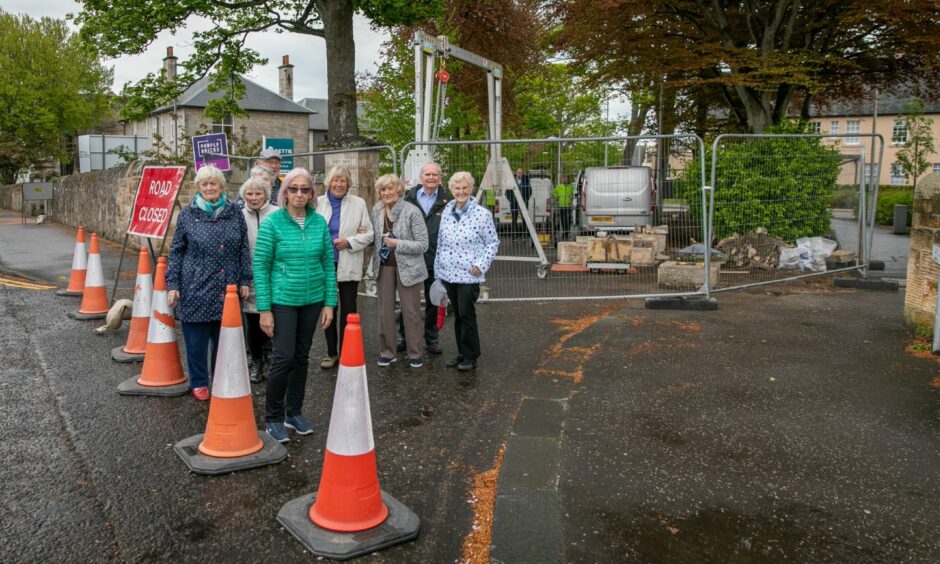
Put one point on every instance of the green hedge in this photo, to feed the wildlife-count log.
(888, 198)
(784, 184)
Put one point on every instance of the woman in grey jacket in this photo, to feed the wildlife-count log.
(256, 191)
(401, 237)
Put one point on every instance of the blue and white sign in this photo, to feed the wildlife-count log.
(208, 149)
(285, 147)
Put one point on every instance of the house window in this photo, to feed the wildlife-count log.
(852, 126)
(870, 174)
(936, 168)
(815, 127)
(897, 175)
(899, 132)
(226, 126)
(834, 128)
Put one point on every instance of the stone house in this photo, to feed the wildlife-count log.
(270, 114)
(886, 111)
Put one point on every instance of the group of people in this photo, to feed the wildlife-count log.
(298, 259)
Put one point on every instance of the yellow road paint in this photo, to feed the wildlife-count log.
(23, 284)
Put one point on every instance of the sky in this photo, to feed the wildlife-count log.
(307, 53)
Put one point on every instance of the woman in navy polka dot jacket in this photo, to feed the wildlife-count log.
(210, 250)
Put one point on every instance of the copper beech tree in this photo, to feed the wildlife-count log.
(756, 59)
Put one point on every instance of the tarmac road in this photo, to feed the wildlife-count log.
(788, 425)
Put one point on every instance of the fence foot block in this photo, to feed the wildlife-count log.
(689, 304)
(865, 284)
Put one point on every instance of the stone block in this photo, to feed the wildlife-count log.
(608, 250)
(656, 240)
(643, 256)
(572, 253)
(841, 256)
(685, 276)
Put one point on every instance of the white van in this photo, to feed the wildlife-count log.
(614, 198)
(538, 202)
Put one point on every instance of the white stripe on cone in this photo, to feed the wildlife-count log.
(231, 369)
(142, 296)
(94, 277)
(79, 257)
(351, 420)
(158, 331)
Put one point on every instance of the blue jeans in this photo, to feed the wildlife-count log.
(200, 338)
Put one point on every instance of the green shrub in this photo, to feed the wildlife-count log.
(888, 198)
(845, 196)
(782, 183)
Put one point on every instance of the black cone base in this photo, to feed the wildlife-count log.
(400, 526)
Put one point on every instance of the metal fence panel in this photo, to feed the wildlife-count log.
(789, 206)
(550, 251)
(364, 174)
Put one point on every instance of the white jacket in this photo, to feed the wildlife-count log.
(353, 214)
(254, 219)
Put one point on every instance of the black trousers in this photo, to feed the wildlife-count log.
(464, 297)
(293, 335)
(255, 336)
(348, 293)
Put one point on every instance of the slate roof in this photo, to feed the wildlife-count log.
(889, 103)
(319, 121)
(257, 98)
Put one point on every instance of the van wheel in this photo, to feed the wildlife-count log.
(542, 271)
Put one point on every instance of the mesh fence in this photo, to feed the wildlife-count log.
(592, 225)
(784, 207)
(365, 164)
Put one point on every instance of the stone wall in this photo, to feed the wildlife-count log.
(921, 295)
(102, 201)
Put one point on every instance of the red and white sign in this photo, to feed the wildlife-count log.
(153, 205)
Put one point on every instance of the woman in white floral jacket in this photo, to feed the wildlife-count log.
(466, 246)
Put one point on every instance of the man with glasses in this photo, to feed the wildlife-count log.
(430, 197)
(270, 160)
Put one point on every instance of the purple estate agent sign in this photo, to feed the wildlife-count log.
(207, 148)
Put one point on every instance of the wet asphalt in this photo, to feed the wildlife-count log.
(789, 425)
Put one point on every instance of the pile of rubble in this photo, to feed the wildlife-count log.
(755, 249)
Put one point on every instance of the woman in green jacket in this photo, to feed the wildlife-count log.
(295, 285)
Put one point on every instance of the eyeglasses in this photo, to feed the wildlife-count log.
(303, 190)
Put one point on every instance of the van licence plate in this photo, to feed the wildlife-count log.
(507, 217)
(601, 219)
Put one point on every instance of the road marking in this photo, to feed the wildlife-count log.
(23, 284)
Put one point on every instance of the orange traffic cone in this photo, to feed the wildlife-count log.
(136, 345)
(231, 441)
(162, 373)
(94, 298)
(349, 500)
(79, 267)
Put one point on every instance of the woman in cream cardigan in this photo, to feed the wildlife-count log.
(351, 232)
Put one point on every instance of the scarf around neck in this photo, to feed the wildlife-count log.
(210, 208)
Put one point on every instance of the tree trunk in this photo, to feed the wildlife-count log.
(757, 108)
(340, 69)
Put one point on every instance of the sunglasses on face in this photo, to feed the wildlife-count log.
(303, 190)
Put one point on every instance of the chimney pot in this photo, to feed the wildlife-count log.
(286, 78)
(169, 64)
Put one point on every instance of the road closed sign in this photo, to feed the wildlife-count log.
(153, 205)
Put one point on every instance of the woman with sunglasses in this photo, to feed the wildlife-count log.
(295, 288)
